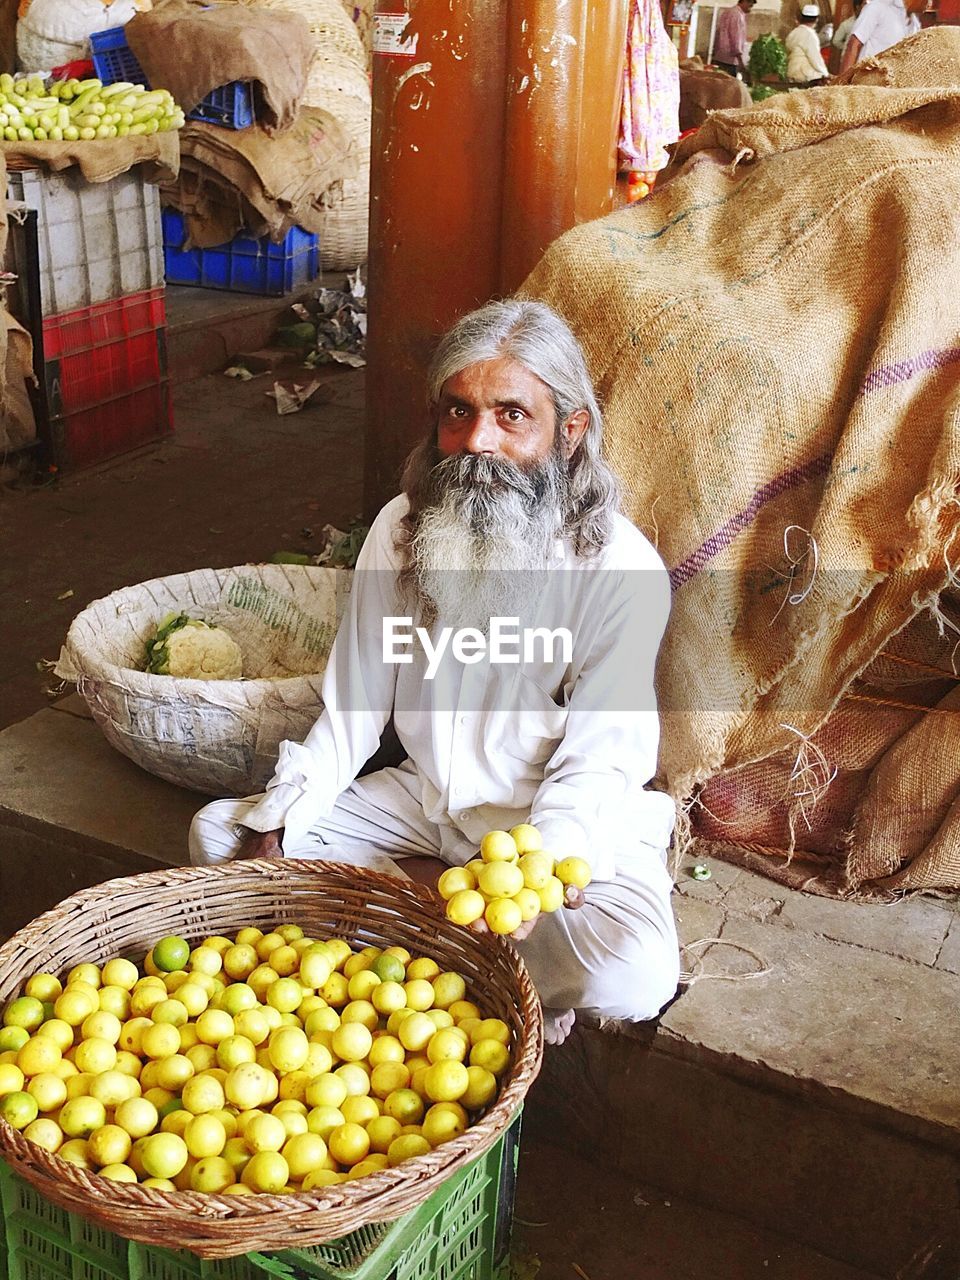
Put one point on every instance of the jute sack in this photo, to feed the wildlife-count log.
(774, 338)
(220, 737)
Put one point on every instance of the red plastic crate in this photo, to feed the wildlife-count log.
(107, 380)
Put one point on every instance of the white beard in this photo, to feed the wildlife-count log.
(482, 547)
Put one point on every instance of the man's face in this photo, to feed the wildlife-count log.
(500, 409)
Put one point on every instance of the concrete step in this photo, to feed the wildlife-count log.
(804, 1083)
(206, 327)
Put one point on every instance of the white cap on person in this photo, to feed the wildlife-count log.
(810, 11)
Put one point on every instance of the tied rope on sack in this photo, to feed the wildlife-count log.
(833, 412)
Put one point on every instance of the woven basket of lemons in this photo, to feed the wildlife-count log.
(345, 986)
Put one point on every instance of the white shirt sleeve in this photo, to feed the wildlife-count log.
(816, 57)
(358, 695)
(870, 18)
(598, 772)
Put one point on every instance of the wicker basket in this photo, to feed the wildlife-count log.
(343, 89)
(219, 737)
(124, 917)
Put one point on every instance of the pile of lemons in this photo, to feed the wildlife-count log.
(267, 1062)
(511, 881)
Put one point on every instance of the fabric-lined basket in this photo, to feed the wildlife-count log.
(126, 916)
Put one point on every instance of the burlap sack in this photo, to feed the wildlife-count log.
(703, 91)
(191, 49)
(236, 179)
(774, 337)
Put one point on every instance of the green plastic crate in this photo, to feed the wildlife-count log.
(461, 1233)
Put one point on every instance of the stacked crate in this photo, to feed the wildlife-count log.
(246, 264)
(104, 323)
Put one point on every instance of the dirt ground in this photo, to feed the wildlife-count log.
(235, 483)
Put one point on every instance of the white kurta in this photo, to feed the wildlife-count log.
(568, 742)
(804, 59)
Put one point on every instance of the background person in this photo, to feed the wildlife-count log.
(730, 45)
(805, 64)
(881, 24)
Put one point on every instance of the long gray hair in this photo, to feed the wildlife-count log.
(535, 336)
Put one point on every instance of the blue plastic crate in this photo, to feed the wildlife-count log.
(230, 106)
(245, 264)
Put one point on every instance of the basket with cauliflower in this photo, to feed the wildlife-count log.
(185, 646)
(199, 677)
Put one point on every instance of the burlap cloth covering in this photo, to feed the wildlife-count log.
(158, 156)
(243, 179)
(774, 335)
(191, 50)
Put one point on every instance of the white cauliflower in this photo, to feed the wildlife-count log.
(186, 647)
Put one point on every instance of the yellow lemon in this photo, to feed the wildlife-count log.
(387, 1077)
(416, 1032)
(406, 1147)
(446, 1081)
(448, 988)
(60, 1032)
(360, 1011)
(348, 1144)
(526, 837)
(159, 1040)
(159, 1184)
(144, 1000)
(211, 1174)
(385, 1048)
(490, 1054)
(118, 1173)
(404, 1105)
(49, 1090)
(102, 1026)
(173, 1073)
(269, 943)
(334, 990)
(351, 1042)
(503, 916)
(372, 1164)
(326, 1090)
(422, 967)
(528, 900)
(441, 1126)
(491, 1029)
(193, 998)
(303, 1153)
(203, 1057)
(316, 966)
(319, 1060)
(73, 1006)
(481, 1088)
(288, 1048)
(240, 961)
(19, 1109)
(115, 1000)
(80, 1116)
(85, 972)
(214, 1025)
(265, 1133)
(245, 1086)
(461, 1009)
(202, 1093)
(455, 880)
(360, 1109)
(252, 1025)
(500, 880)
(322, 1178)
(45, 1133)
(447, 1044)
(96, 1056)
(573, 871)
(44, 987)
(382, 1130)
(205, 1136)
(234, 1050)
(284, 994)
(355, 1077)
(267, 1171)
(551, 895)
(41, 1054)
(498, 846)
(120, 973)
(109, 1145)
(138, 1116)
(466, 907)
(537, 868)
(324, 1120)
(164, 1155)
(131, 1034)
(75, 1152)
(204, 959)
(420, 994)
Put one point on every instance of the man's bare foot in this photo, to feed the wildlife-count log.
(557, 1024)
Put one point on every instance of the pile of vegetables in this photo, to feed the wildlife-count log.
(768, 59)
(34, 110)
(193, 649)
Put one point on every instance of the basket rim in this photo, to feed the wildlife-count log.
(374, 1197)
(96, 667)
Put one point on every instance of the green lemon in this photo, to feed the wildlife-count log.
(171, 953)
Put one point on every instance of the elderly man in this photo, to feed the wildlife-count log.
(509, 514)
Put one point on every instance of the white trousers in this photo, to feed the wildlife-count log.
(617, 956)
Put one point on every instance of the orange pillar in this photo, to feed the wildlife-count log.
(475, 171)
